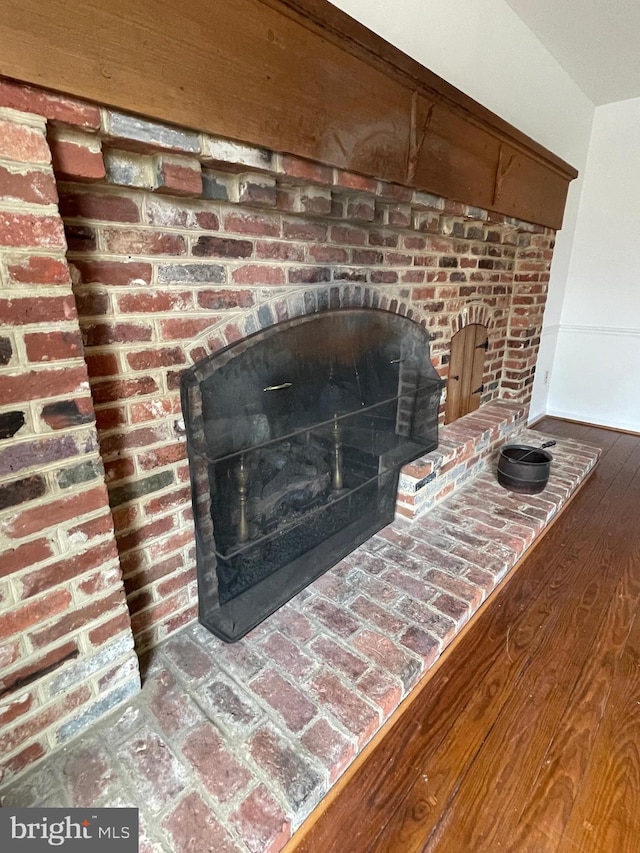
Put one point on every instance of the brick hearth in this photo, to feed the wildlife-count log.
(230, 747)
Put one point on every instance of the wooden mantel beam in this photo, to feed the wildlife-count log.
(298, 76)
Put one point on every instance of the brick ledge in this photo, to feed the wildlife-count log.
(465, 448)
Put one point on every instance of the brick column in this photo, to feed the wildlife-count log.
(66, 647)
(530, 285)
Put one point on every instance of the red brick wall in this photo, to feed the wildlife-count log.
(162, 281)
(65, 635)
(180, 243)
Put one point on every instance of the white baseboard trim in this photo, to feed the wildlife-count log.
(534, 417)
(587, 418)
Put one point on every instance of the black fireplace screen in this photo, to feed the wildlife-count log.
(296, 436)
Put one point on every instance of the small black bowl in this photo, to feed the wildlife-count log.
(527, 476)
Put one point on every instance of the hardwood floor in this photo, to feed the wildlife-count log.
(527, 739)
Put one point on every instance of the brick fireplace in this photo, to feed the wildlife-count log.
(128, 251)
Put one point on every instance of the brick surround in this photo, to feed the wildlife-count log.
(128, 250)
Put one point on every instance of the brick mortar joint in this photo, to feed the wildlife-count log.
(73, 550)
(46, 366)
(23, 167)
(54, 493)
(78, 599)
(49, 211)
(168, 513)
(62, 132)
(71, 324)
(84, 431)
(22, 117)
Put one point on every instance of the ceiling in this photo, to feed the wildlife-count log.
(597, 42)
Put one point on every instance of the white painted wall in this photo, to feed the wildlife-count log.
(485, 50)
(597, 375)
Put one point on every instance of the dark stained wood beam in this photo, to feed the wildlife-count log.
(299, 77)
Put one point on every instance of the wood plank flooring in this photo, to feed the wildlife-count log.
(527, 739)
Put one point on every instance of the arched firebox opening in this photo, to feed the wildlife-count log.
(296, 436)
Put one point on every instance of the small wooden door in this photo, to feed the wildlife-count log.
(466, 370)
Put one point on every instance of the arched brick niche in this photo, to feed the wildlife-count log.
(475, 311)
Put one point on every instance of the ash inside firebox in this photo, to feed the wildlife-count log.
(291, 507)
(293, 477)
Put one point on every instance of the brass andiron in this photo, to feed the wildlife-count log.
(337, 455)
(242, 476)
